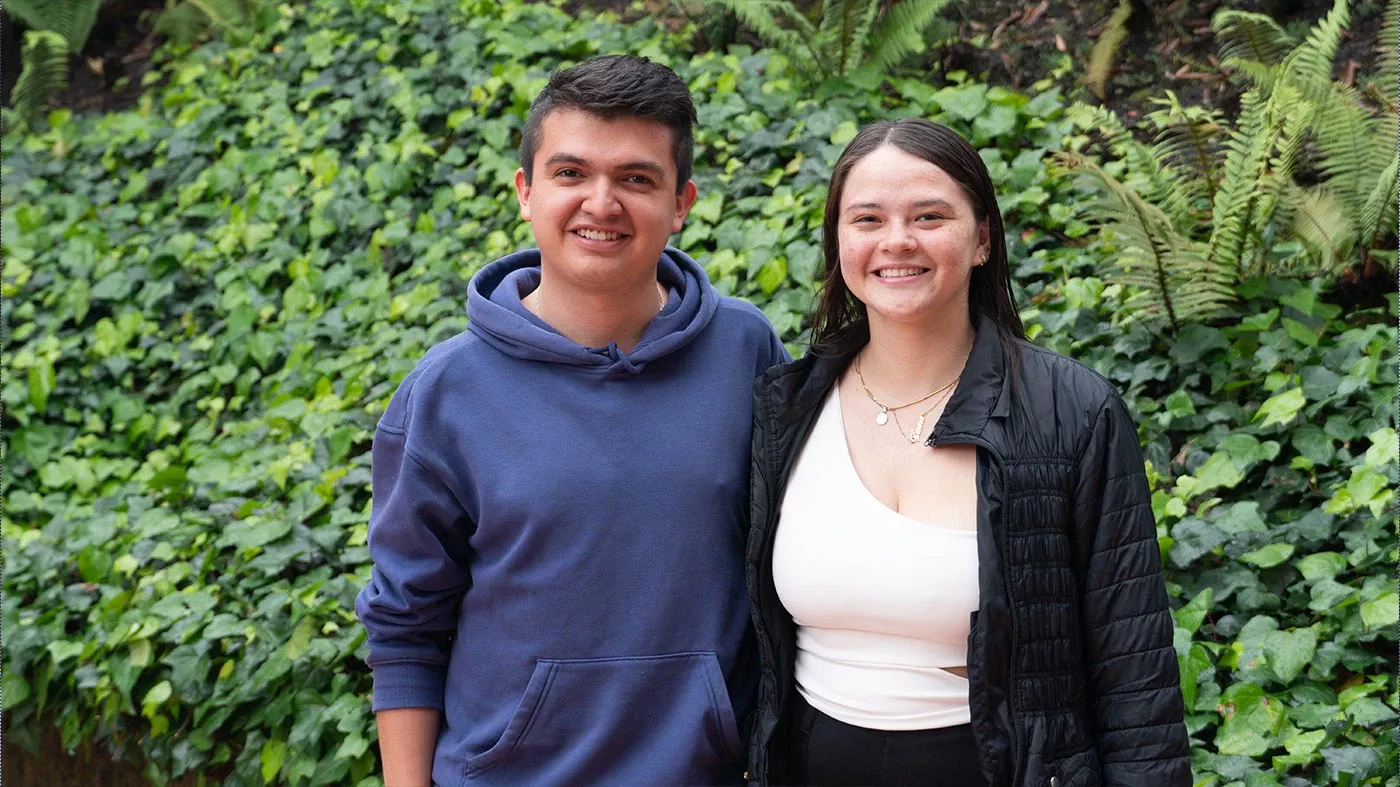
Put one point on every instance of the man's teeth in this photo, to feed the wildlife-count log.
(890, 273)
(596, 235)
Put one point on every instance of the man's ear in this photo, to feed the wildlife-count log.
(684, 200)
(522, 194)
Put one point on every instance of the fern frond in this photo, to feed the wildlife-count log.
(1323, 223)
(901, 32)
(1378, 214)
(1101, 57)
(1177, 280)
(231, 17)
(833, 33)
(43, 71)
(1353, 149)
(858, 43)
(1188, 142)
(1388, 75)
(71, 19)
(760, 16)
(1246, 36)
(1246, 155)
(1260, 75)
(1309, 65)
(183, 24)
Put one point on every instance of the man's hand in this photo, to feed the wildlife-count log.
(407, 737)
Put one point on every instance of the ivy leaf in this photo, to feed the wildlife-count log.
(156, 696)
(274, 753)
(1251, 720)
(301, 638)
(1313, 443)
(1369, 712)
(1194, 538)
(14, 688)
(1359, 761)
(1269, 556)
(1321, 565)
(1305, 742)
(41, 383)
(1280, 408)
(966, 102)
(1192, 614)
(1381, 613)
(112, 287)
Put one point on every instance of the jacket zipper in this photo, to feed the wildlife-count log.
(1003, 545)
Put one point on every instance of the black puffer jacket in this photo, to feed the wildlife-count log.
(1072, 674)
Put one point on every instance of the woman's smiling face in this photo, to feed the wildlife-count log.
(908, 237)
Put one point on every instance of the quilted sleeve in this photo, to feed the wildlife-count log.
(1135, 700)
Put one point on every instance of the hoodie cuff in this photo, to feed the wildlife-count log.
(409, 685)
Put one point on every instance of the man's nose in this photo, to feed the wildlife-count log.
(602, 199)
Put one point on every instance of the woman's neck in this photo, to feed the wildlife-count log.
(904, 361)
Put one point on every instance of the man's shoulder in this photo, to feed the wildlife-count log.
(445, 359)
(744, 315)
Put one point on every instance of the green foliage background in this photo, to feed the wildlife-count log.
(210, 299)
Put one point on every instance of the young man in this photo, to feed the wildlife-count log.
(560, 492)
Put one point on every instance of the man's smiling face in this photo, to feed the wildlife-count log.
(602, 199)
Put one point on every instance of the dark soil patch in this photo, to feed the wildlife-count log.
(1170, 45)
(106, 76)
(55, 767)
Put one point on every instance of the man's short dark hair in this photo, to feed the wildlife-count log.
(616, 86)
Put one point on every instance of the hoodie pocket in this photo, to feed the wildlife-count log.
(631, 719)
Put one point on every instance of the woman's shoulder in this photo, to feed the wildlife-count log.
(1040, 368)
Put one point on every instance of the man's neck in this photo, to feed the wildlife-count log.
(904, 361)
(596, 319)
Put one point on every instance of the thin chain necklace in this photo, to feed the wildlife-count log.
(534, 300)
(884, 416)
(913, 436)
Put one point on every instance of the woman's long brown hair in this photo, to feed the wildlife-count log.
(840, 325)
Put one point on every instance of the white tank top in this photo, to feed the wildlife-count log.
(882, 602)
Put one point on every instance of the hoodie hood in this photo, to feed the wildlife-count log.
(499, 318)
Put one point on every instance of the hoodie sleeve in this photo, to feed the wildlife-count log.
(418, 544)
(1134, 687)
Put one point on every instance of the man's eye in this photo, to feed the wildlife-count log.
(640, 180)
(567, 172)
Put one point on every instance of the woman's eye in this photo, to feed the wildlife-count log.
(930, 217)
(863, 220)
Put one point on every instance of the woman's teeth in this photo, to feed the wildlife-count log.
(893, 273)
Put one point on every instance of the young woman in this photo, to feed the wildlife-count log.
(953, 566)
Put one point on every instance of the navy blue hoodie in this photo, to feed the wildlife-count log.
(557, 536)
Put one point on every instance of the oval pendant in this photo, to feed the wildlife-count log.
(883, 418)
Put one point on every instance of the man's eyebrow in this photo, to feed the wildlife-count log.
(563, 158)
(645, 166)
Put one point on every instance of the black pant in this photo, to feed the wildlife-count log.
(824, 752)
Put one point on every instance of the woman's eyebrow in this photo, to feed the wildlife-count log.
(927, 203)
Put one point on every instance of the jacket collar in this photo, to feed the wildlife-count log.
(983, 392)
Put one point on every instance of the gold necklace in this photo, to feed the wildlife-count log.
(885, 410)
(661, 293)
(913, 436)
